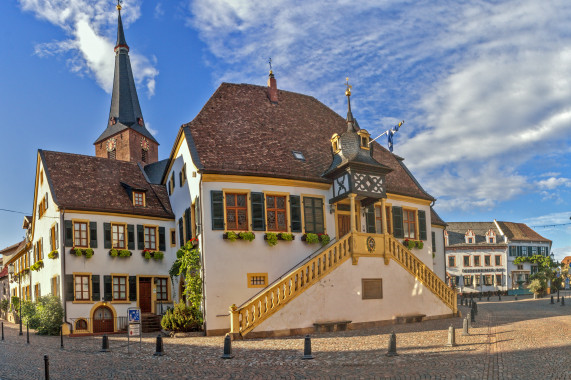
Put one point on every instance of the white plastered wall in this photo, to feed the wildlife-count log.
(338, 297)
(439, 259)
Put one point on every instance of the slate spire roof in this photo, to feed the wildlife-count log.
(125, 110)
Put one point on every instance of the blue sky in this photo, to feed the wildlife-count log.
(483, 87)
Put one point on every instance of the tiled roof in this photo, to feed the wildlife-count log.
(8, 250)
(566, 260)
(239, 131)
(90, 183)
(436, 219)
(457, 233)
(4, 272)
(155, 170)
(520, 232)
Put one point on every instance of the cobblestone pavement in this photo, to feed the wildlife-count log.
(524, 339)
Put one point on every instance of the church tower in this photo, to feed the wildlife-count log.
(126, 138)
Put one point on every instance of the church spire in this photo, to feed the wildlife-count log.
(125, 112)
(350, 119)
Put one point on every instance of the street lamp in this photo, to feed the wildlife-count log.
(11, 272)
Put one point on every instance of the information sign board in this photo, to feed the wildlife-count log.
(134, 330)
(134, 315)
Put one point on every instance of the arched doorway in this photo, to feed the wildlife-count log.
(102, 320)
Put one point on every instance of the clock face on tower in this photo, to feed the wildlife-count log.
(111, 145)
(144, 144)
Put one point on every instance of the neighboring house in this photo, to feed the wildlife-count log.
(256, 160)
(101, 233)
(480, 255)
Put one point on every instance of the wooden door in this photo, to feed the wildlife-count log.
(145, 294)
(343, 224)
(102, 320)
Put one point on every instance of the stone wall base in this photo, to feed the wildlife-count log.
(312, 330)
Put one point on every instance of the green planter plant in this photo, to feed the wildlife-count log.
(53, 254)
(271, 238)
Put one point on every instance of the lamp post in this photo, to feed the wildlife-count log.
(11, 272)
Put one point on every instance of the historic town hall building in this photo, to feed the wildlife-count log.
(302, 221)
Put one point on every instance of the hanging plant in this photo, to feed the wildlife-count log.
(286, 236)
(324, 239)
(248, 236)
(310, 238)
(271, 238)
(113, 253)
(37, 265)
(158, 255)
(53, 255)
(230, 235)
(419, 244)
(125, 253)
(88, 253)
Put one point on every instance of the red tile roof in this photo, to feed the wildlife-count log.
(4, 272)
(90, 183)
(239, 131)
(566, 260)
(520, 232)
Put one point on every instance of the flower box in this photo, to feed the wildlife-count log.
(233, 236)
(120, 253)
(156, 255)
(311, 238)
(87, 252)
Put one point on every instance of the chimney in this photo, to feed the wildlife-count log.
(272, 88)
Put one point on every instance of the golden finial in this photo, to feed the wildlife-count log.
(119, 4)
(348, 90)
(270, 62)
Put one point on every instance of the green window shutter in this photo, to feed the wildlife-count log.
(95, 288)
(69, 290)
(398, 228)
(370, 219)
(130, 236)
(93, 234)
(422, 224)
(107, 288)
(188, 233)
(169, 187)
(313, 215)
(140, 237)
(433, 241)
(217, 205)
(258, 212)
(68, 225)
(197, 215)
(295, 212)
(107, 236)
(162, 239)
(132, 288)
(181, 232)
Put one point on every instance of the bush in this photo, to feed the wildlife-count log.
(29, 314)
(15, 303)
(49, 312)
(4, 304)
(537, 285)
(182, 318)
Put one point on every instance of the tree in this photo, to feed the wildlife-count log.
(545, 271)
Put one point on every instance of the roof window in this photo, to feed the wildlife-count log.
(298, 155)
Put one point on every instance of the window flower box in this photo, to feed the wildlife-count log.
(156, 255)
(233, 236)
(410, 244)
(312, 238)
(53, 255)
(87, 252)
(120, 253)
(37, 265)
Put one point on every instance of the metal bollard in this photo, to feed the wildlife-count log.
(27, 334)
(307, 348)
(159, 350)
(562, 300)
(2, 331)
(61, 337)
(451, 337)
(465, 327)
(470, 302)
(227, 348)
(47, 367)
(392, 345)
(105, 344)
(516, 296)
(552, 300)
(480, 297)
(499, 297)
(488, 298)
(472, 318)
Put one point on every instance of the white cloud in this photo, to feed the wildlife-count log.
(483, 87)
(91, 27)
(159, 11)
(154, 132)
(553, 183)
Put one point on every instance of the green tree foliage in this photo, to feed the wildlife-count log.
(188, 264)
(49, 312)
(182, 318)
(29, 315)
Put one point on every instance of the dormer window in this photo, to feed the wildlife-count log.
(138, 198)
(470, 237)
(364, 139)
(335, 143)
(298, 155)
(491, 237)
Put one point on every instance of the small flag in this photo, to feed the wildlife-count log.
(390, 134)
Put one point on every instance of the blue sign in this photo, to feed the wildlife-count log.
(134, 315)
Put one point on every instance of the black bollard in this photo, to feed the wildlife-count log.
(159, 351)
(392, 345)
(499, 297)
(227, 348)
(451, 337)
(61, 337)
(475, 307)
(488, 298)
(557, 296)
(465, 327)
(480, 297)
(472, 318)
(552, 300)
(470, 302)
(105, 344)
(27, 334)
(461, 301)
(516, 296)
(307, 348)
(2, 331)
(47, 367)
(562, 300)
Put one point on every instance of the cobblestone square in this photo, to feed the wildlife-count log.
(524, 339)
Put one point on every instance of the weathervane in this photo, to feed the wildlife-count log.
(348, 90)
(119, 2)
(270, 62)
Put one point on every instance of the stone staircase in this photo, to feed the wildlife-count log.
(150, 322)
(253, 312)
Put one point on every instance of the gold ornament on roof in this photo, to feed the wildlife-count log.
(270, 62)
(119, 4)
(348, 90)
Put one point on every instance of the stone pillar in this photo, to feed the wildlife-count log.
(234, 320)
(353, 224)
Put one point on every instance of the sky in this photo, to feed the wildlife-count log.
(483, 87)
